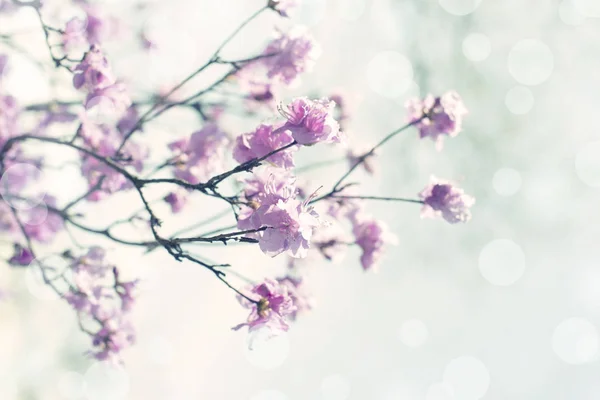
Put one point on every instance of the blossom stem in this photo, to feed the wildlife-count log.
(379, 198)
(213, 59)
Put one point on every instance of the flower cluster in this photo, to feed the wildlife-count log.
(441, 198)
(102, 301)
(273, 206)
(271, 306)
(94, 76)
(436, 117)
(201, 155)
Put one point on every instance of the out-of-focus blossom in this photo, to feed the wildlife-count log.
(311, 121)
(93, 73)
(41, 224)
(94, 76)
(21, 256)
(177, 200)
(146, 42)
(116, 94)
(200, 156)
(263, 141)
(441, 198)
(7, 220)
(270, 310)
(102, 301)
(3, 65)
(283, 7)
(112, 181)
(9, 112)
(295, 288)
(437, 116)
(372, 236)
(74, 34)
(290, 55)
(128, 120)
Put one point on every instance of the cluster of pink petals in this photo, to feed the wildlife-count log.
(200, 156)
(312, 121)
(105, 141)
(21, 256)
(263, 141)
(102, 300)
(290, 55)
(288, 221)
(41, 224)
(437, 116)
(94, 76)
(9, 112)
(295, 288)
(271, 308)
(92, 30)
(177, 200)
(441, 198)
(371, 236)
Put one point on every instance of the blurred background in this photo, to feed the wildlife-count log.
(504, 307)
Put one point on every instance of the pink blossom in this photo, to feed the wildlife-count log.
(177, 200)
(74, 34)
(104, 301)
(270, 310)
(21, 257)
(290, 224)
(311, 121)
(117, 95)
(41, 224)
(372, 236)
(112, 181)
(441, 198)
(263, 141)
(437, 116)
(295, 288)
(93, 73)
(9, 112)
(200, 156)
(289, 55)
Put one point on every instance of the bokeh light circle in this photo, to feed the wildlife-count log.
(589, 8)
(530, 62)
(71, 385)
(439, 391)
(390, 74)
(105, 381)
(13, 184)
(476, 47)
(335, 387)
(575, 341)
(587, 164)
(519, 100)
(502, 262)
(507, 181)
(460, 7)
(468, 378)
(569, 13)
(350, 10)
(413, 333)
